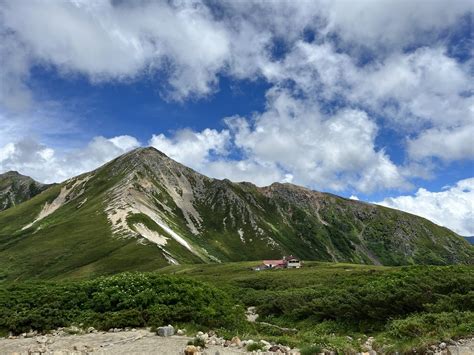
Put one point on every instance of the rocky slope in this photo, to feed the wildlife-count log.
(143, 210)
(16, 188)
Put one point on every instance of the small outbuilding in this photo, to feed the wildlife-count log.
(292, 262)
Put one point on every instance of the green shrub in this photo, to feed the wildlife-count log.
(129, 299)
(255, 346)
(432, 324)
(311, 350)
(197, 342)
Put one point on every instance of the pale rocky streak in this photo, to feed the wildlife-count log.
(152, 236)
(183, 197)
(241, 235)
(60, 200)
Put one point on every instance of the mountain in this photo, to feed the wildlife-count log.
(16, 188)
(143, 211)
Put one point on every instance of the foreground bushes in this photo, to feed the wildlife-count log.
(371, 299)
(447, 324)
(130, 299)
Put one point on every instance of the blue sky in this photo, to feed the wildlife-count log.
(369, 99)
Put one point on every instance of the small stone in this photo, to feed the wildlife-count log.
(180, 332)
(203, 336)
(41, 339)
(165, 331)
(442, 345)
(236, 341)
(191, 350)
(90, 330)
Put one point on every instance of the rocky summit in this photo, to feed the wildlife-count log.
(16, 188)
(144, 210)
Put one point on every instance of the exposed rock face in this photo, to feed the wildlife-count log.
(16, 188)
(146, 200)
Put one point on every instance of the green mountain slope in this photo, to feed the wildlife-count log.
(143, 211)
(16, 188)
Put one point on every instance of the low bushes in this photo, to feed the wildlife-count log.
(447, 324)
(129, 299)
(371, 300)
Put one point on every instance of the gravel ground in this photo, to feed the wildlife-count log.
(126, 342)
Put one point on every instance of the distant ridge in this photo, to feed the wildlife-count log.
(16, 188)
(143, 210)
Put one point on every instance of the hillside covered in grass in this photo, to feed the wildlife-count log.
(323, 305)
(143, 211)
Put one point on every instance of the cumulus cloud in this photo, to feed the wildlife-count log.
(453, 207)
(43, 163)
(445, 143)
(194, 149)
(321, 151)
(418, 93)
(391, 22)
(113, 41)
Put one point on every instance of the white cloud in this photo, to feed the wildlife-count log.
(420, 94)
(427, 85)
(194, 149)
(320, 151)
(447, 144)
(259, 173)
(453, 207)
(354, 197)
(391, 22)
(120, 41)
(44, 164)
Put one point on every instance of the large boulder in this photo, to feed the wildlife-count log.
(165, 331)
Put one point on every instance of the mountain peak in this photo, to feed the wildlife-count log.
(11, 173)
(16, 188)
(143, 151)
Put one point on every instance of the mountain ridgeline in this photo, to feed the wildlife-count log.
(143, 211)
(16, 188)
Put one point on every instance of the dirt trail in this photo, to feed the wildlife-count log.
(126, 342)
